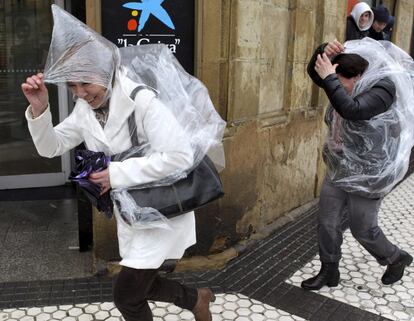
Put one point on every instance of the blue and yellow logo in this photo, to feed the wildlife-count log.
(147, 8)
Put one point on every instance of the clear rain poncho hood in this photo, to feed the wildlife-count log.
(79, 54)
(374, 154)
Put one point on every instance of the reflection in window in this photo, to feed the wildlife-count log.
(25, 32)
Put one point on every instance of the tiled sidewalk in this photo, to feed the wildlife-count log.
(261, 284)
(226, 307)
(360, 284)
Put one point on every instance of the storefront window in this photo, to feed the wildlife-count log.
(25, 32)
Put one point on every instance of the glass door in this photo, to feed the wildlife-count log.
(25, 33)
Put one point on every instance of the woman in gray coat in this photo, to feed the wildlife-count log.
(363, 158)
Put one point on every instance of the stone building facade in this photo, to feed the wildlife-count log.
(252, 56)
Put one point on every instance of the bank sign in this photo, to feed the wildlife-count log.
(128, 23)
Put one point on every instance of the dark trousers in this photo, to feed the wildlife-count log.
(132, 289)
(363, 223)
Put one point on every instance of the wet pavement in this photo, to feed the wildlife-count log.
(262, 283)
(39, 241)
(39, 235)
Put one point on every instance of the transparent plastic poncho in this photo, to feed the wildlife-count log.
(371, 156)
(79, 54)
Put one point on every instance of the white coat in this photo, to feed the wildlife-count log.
(140, 249)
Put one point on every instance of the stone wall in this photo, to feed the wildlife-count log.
(404, 24)
(254, 63)
(252, 55)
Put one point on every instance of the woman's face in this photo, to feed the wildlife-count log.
(94, 95)
(364, 19)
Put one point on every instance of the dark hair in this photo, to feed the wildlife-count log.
(350, 65)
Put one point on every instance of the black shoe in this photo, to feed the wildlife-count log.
(328, 275)
(395, 271)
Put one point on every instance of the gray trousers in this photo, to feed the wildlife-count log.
(363, 223)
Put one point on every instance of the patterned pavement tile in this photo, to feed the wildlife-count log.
(360, 284)
(229, 306)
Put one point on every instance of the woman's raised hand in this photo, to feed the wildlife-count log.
(36, 93)
(333, 48)
(324, 67)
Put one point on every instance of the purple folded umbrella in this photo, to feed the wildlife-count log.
(87, 162)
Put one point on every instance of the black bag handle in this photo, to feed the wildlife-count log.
(131, 118)
(132, 127)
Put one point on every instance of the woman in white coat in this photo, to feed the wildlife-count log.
(90, 68)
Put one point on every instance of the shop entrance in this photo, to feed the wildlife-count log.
(25, 32)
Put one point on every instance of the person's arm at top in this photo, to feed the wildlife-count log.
(362, 107)
(49, 141)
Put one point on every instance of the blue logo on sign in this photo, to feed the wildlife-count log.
(148, 7)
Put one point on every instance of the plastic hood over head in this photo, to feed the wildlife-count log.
(358, 10)
(79, 54)
(374, 154)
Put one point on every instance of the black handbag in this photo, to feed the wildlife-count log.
(200, 187)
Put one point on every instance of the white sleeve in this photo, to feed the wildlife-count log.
(171, 150)
(52, 141)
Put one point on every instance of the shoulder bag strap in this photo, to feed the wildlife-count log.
(131, 119)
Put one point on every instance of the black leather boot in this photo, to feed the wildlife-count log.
(328, 275)
(395, 271)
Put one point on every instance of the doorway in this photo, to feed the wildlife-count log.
(39, 224)
(25, 32)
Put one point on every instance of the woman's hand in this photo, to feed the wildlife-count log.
(324, 67)
(333, 48)
(102, 179)
(36, 93)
